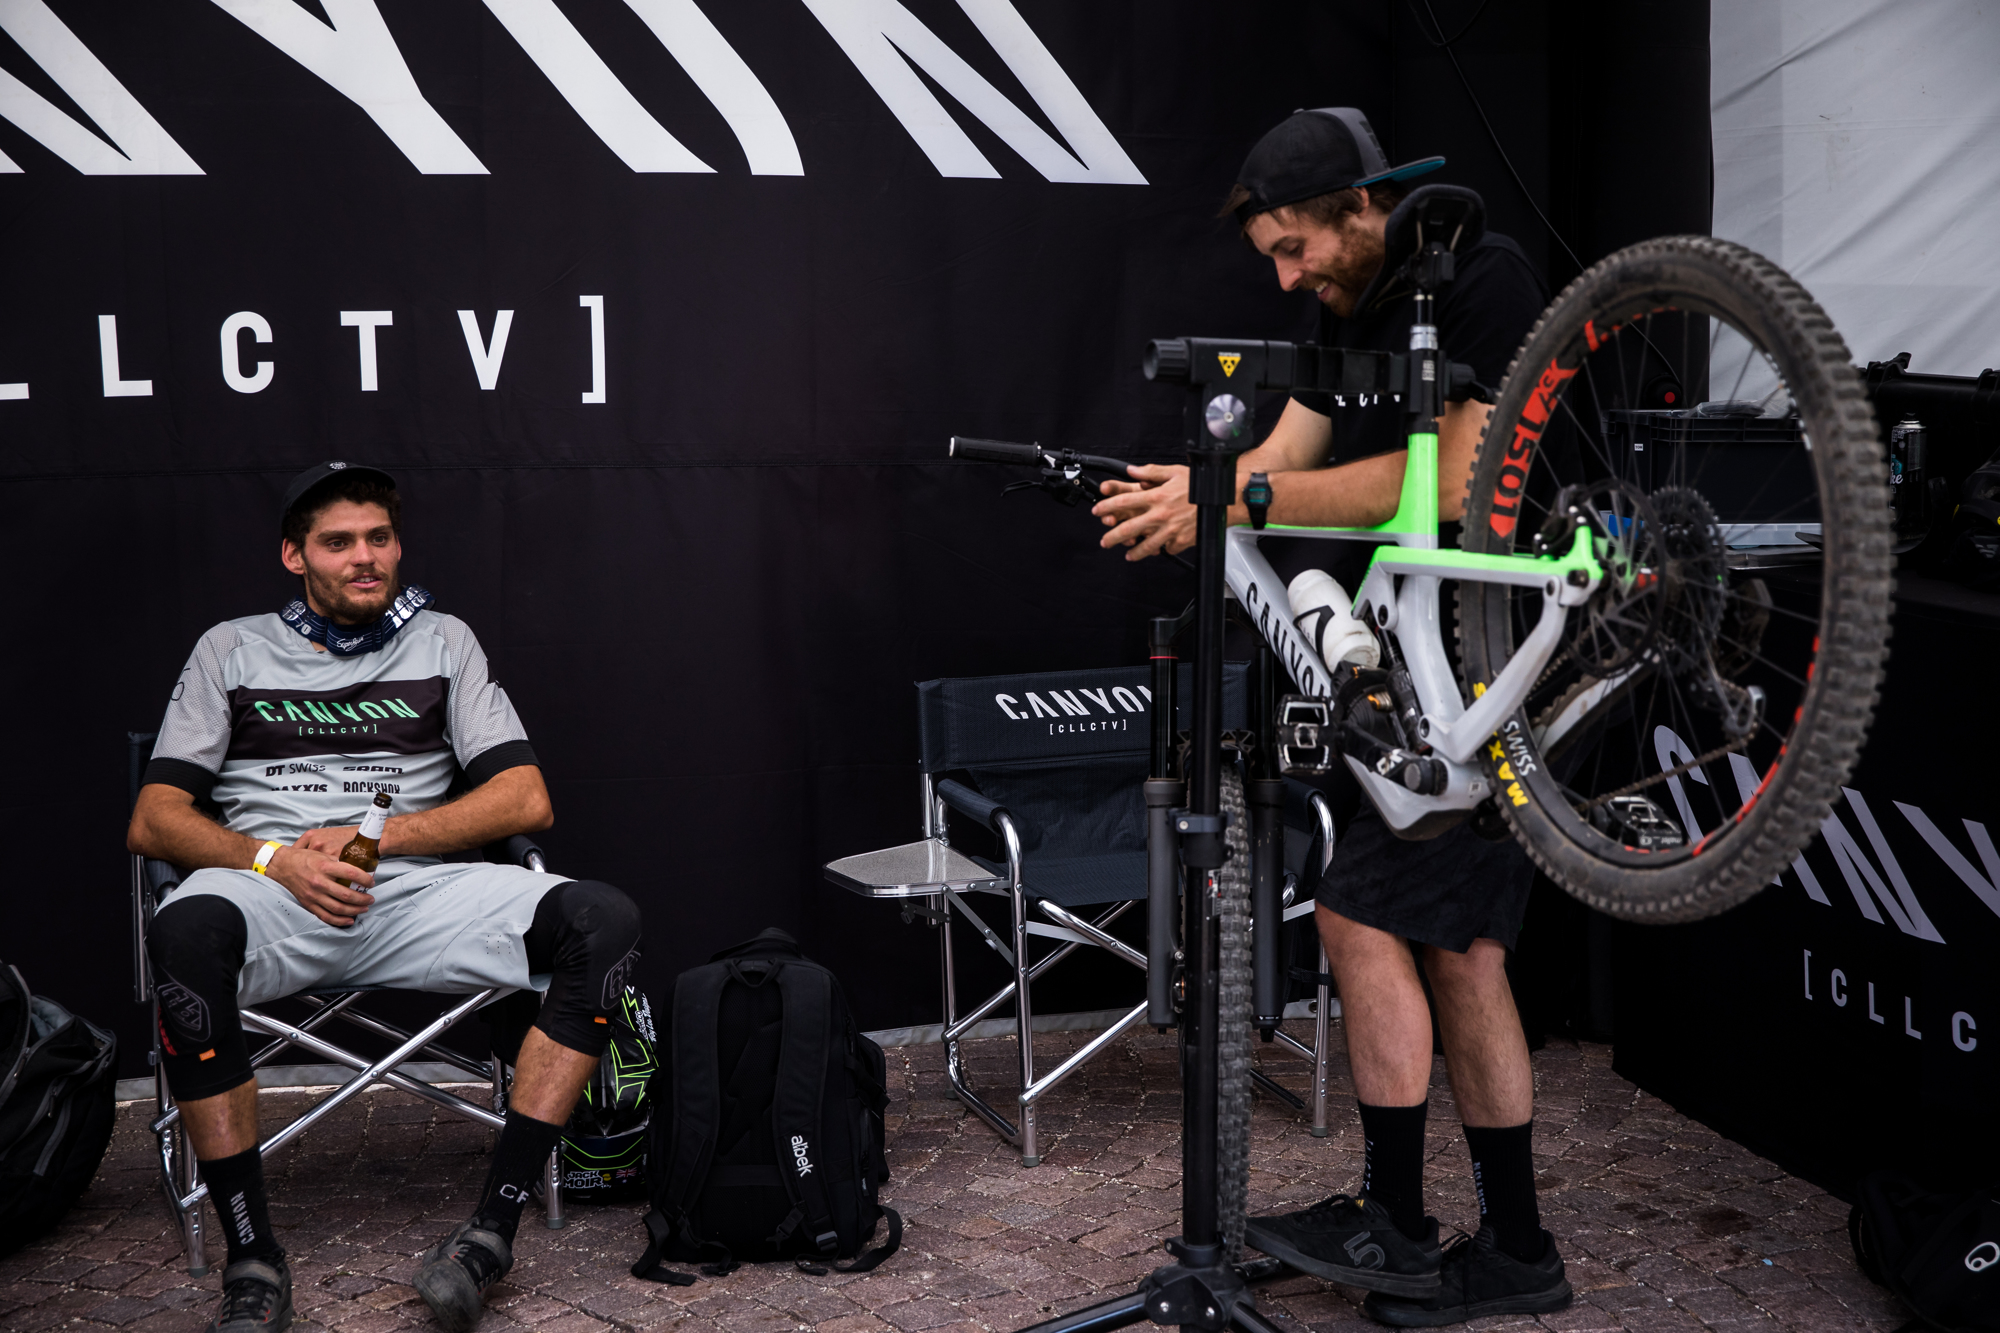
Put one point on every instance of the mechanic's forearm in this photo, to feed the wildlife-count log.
(1354, 495)
(166, 826)
(512, 801)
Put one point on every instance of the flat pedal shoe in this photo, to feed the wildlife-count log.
(256, 1297)
(453, 1274)
(1344, 1239)
(1478, 1278)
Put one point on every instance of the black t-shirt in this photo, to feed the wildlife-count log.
(1483, 317)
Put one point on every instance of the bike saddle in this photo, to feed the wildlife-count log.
(1451, 215)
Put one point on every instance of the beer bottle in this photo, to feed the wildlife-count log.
(365, 848)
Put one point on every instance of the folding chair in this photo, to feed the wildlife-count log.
(1054, 766)
(152, 881)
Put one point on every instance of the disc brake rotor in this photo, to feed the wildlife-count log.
(1623, 620)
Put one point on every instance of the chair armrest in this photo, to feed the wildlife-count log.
(519, 850)
(970, 803)
(151, 879)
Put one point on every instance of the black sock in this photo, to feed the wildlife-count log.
(1392, 1173)
(519, 1160)
(236, 1184)
(1503, 1171)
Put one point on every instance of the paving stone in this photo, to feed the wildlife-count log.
(1664, 1225)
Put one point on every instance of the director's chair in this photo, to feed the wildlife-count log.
(1053, 767)
(152, 881)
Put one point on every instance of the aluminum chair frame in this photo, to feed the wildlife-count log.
(933, 870)
(180, 1175)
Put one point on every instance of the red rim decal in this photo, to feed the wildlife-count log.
(1506, 505)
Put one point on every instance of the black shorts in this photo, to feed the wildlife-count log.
(1446, 891)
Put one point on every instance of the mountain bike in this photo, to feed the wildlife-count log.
(1672, 578)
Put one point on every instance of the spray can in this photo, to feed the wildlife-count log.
(1908, 443)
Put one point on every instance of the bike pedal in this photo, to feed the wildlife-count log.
(1305, 735)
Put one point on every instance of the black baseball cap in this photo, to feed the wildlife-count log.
(1316, 152)
(313, 476)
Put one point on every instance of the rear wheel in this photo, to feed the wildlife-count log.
(1690, 407)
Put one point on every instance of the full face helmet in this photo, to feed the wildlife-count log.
(604, 1144)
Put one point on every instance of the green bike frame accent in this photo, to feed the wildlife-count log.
(1400, 596)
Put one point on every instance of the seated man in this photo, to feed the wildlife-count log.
(287, 724)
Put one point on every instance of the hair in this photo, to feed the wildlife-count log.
(364, 490)
(1325, 209)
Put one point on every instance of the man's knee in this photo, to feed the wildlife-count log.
(599, 913)
(203, 933)
(592, 932)
(196, 947)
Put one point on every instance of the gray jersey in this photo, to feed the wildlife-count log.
(285, 738)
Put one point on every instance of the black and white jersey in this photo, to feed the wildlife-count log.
(285, 738)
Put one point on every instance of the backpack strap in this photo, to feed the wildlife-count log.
(658, 1232)
(807, 991)
(697, 1091)
(863, 1263)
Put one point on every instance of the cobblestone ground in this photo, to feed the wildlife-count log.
(1664, 1225)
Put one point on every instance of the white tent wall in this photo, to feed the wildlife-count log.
(1857, 144)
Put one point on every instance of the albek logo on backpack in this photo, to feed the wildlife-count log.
(799, 1155)
(1983, 1257)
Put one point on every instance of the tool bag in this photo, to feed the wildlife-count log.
(1939, 1252)
(767, 1139)
(57, 1101)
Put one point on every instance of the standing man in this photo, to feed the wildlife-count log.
(282, 729)
(1314, 196)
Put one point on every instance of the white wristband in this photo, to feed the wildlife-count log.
(264, 854)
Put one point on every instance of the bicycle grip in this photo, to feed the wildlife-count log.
(994, 451)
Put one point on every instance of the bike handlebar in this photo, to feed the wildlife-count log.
(1002, 451)
(994, 451)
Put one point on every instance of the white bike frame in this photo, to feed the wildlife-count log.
(1399, 596)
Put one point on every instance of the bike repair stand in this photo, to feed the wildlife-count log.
(1201, 1290)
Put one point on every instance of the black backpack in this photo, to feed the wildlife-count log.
(767, 1139)
(1939, 1252)
(58, 1082)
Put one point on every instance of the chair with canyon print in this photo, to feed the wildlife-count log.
(1032, 794)
(399, 1067)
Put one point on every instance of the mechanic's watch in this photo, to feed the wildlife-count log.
(1257, 499)
(262, 865)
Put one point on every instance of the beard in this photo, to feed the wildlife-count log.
(340, 602)
(1361, 256)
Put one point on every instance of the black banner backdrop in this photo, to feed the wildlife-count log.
(662, 313)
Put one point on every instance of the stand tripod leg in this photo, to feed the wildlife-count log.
(1249, 1321)
(1119, 1312)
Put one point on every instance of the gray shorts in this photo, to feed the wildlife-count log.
(453, 927)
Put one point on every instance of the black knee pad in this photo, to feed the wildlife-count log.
(586, 936)
(196, 948)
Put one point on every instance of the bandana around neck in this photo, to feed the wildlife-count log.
(352, 641)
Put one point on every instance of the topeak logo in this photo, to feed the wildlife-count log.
(1229, 360)
(799, 1155)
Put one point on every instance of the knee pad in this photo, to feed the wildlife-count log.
(195, 945)
(586, 936)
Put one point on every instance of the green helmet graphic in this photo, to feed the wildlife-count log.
(604, 1143)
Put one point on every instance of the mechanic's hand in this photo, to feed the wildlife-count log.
(325, 885)
(1150, 514)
